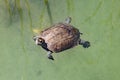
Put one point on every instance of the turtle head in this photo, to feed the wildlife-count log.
(38, 40)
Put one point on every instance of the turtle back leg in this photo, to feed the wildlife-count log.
(68, 20)
(84, 43)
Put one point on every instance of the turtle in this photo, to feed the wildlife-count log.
(59, 37)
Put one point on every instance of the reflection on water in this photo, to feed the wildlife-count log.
(48, 10)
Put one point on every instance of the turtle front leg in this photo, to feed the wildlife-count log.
(84, 43)
(49, 55)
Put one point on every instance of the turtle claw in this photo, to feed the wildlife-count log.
(50, 57)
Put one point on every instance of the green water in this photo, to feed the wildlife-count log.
(21, 59)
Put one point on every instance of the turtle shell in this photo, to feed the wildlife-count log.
(60, 37)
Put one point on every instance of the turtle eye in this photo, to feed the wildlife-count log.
(40, 40)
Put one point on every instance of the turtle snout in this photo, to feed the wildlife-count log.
(36, 40)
